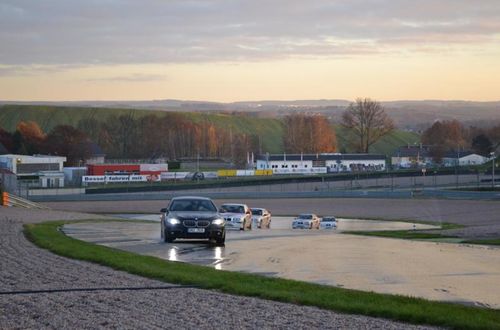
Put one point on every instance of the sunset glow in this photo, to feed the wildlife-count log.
(229, 51)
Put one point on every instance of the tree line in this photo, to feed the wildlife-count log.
(451, 135)
(174, 136)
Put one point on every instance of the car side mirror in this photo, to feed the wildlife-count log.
(164, 210)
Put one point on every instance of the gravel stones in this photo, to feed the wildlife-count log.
(23, 266)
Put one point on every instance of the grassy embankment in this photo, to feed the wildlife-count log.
(424, 234)
(419, 234)
(412, 310)
(270, 130)
(483, 241)
(385, 146)
(47, 117)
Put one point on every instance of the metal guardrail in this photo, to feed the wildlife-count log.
(13, 200)
(228, 195)
(398, 194)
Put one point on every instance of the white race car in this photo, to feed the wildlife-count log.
(237, 216)
(306, 221)
(328, 223)
(261, 217)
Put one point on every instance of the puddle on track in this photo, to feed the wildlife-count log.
(437, 271)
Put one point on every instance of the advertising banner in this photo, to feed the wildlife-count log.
(245, 173)
(154, 167)
(226, 172)
(312, 170)
(174, 175)
(263, 172)
(113, 178)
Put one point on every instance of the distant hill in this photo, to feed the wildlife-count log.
(413, 115)
(48, 116)
(269, 129)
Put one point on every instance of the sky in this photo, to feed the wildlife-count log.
(231, 50)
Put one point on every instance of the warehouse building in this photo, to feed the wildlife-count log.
(36, 171)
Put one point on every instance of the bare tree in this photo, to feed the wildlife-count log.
(368, 120)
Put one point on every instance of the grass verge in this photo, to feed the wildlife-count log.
(402, 234)
(409, 234)
(495, 241)
(399, 308)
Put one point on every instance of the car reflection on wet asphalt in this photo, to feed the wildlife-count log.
(144, 238)
(431, 270)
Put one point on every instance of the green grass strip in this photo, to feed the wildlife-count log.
(483, 241)
(403, 234)
(399, 308)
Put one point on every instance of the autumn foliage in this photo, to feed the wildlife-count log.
(452, 135)
(308, 134)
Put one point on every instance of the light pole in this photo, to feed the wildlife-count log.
(492, 154)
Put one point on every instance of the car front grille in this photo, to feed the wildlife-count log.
(196, 223)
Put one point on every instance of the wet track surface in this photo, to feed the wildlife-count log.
(437, 271)
(145, 238)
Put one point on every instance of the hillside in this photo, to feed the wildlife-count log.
(47, 117)
(270, 130)
(386, 146)
(413, 115)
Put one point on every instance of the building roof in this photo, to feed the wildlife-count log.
(32, 156)
(458, 154)
(320, 157)
(413, 151)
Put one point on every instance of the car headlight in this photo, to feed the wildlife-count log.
(237, 219)
(173, 221)
(218, 222)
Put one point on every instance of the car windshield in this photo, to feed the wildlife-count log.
(305, 216)
(233, 208)
(256, 212)
(192, 205)
(328, 219)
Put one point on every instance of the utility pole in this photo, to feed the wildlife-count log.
(492, 154)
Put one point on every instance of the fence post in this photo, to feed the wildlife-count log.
(5, 198)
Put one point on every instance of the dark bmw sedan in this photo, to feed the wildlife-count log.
(192, 217)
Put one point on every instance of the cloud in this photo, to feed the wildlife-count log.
(73, 32)
(136, 77)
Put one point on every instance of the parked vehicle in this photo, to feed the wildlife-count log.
(192, 217)
(237, 216)
(328, 222)
(261, 217)
(306, 221)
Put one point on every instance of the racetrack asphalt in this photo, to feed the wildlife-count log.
(24, 267)
(481, 218)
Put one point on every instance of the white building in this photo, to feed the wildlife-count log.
(412, 156)
(463, 158)
(39, 170)
(320, 163)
